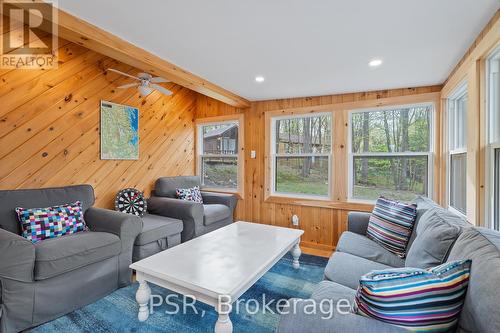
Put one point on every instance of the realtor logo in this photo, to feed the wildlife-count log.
(29, 34)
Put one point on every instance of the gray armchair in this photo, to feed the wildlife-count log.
(42, 281)
(215, 212)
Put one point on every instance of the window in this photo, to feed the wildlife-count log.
(301, 152)
(457, 149)
(493, 140)
(219, 154)
(391, 153)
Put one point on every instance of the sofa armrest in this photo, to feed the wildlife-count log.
(17, 257)
(125, 226)
(357, 222)
(191, 213)
(228, 200)
(327, 319)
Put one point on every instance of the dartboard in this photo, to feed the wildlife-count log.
(131, 201)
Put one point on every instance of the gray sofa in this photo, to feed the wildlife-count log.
(438, 236)
(215, 212)
(42, 281)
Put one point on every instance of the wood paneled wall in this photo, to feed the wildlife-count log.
(49, 127)
(322, 225)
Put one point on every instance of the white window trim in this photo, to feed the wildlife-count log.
(273, 156)
(458, 93)
(199, 149)
(429, 154)
(491, 146)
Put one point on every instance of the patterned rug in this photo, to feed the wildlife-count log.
(117, 312)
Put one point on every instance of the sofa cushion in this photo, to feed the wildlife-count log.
(423, 205)
(435, 234)
(155, 227)
(481, 312)
(332, 290)
(60, 255)
(44, 197)
(38, 224)
(346, 269)
(364, 247)
(419, 299)
(215, 213)
(391, 224)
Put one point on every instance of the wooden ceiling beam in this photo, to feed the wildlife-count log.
(94, 38)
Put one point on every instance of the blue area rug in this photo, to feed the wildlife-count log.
(117, 312)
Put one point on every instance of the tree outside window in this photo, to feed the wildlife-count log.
(391, 153)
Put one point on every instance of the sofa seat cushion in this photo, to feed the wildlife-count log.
(332, 290)
(155, 227)
(481, 312)
(364, 247)
(346, 269)
(60, 255)
(215, 213)
(435, 235)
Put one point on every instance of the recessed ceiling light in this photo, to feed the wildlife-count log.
(259, 79)
(375, 63)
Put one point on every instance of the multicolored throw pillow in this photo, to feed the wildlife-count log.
(391, 224)
(190, 194)
(416, 299)
(38, 224)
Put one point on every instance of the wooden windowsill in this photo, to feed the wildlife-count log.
(224, 191)
(343, 205)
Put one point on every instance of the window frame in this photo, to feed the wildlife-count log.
(273, 156)
(430, 154)
(219, 120)
(492, 144)
(460, 91)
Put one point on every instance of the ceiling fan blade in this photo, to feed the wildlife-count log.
(125, 74)
(130, 85)
(161, 89)
(158, 80)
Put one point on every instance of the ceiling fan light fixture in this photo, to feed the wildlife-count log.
(144, 90)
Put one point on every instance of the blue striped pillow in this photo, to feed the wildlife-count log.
(417, 299)
(391, 224)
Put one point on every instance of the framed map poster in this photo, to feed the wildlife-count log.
(119, 132)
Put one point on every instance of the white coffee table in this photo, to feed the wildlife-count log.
(223, 263)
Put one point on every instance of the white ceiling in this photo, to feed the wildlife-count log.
(301, 47)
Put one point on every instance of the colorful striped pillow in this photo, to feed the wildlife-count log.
(391, 224)
(416, 299)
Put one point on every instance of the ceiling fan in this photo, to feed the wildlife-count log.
(147, 83)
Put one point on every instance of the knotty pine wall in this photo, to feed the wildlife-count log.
(49, 127)
(322, 225)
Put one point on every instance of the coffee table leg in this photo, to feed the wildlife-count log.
(223, 324)
(142, 297)
(296, 252)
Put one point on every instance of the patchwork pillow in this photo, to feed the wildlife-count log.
(38, 224)
(416, 299)
(189, 194)
(391, 224)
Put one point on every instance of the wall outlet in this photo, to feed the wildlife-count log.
(295, 220)
(253, 154)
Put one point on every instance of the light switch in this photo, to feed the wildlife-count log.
(253, 154)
